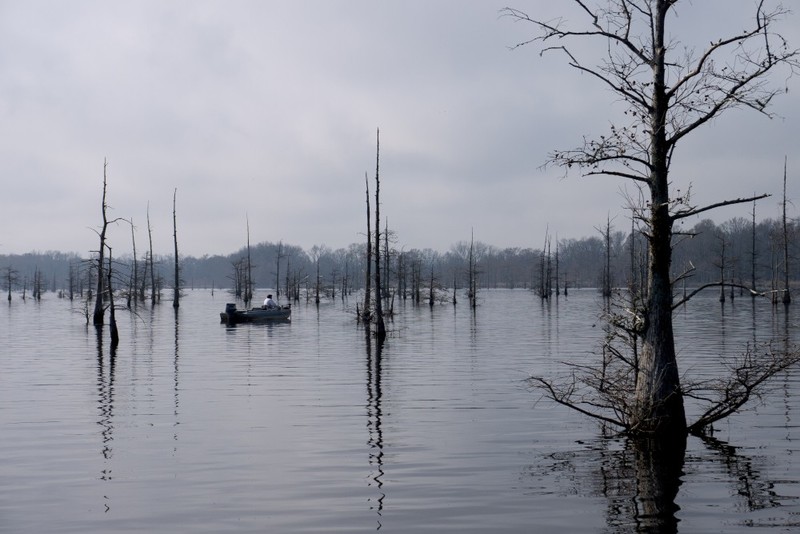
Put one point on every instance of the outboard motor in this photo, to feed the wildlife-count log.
(230, 308)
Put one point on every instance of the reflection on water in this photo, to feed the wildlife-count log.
(105, 400)
(374, 427)
(192, 425)
(176, 368)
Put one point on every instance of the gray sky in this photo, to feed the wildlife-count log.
(268, 110)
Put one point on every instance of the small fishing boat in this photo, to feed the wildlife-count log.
(233, 316)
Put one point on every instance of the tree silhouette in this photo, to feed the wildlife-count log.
(669, 92)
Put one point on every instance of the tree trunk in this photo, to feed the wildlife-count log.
(153, 295)
(177, 286)
(380, 327)
(99, 311)
(659, 402)
(365, 314)
(787, 296)
(112, 316)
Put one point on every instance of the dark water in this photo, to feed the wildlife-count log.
(192, 426)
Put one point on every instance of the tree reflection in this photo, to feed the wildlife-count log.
(105, 401)
(374, 420)
(176, 384)
(745, 476)
(640, 479)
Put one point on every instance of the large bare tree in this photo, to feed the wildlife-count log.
(669, 91)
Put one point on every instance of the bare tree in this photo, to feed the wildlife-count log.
(10, 279)
(134, 279)
(176, 297)
(112, 325)
(248, 286)
(787, 296)
(366, 312)
(278, 257)
(472, 292)
(316, 253)
(606, 281)
(380, 327)
(153, 293)
(99, 306)
(669, 92)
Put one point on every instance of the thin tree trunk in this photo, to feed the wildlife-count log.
(380, 327)
(112, 316)
(134, 285)
(278, 271)
(99, 311)
(365, 314)
(248, 288)
(153, 295)
(787, 297)
(177, 296)
(753, 255)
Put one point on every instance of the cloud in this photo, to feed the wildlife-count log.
(268, 111)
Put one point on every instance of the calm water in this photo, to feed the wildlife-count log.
(193, 426)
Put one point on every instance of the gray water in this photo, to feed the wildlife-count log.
(308, 426)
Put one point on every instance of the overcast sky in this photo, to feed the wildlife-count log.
(268, 110)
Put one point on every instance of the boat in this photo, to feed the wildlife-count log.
(233, 316)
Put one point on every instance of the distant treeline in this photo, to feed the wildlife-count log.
(734, 250)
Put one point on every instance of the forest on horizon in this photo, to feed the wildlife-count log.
(736, 251)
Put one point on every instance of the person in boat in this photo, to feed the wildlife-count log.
(270, 304)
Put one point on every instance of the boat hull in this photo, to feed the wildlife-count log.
(254, 315)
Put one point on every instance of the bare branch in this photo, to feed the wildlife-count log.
(563, 395)
(749, 377)
(697, 290)
(682, 214)
(710, 87)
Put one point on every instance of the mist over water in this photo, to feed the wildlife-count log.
(311, 426)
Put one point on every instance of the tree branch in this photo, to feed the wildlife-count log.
(682, 214)
(694, 292)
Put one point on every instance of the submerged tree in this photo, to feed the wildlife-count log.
(112, 325)
(380, 327)
(10, 279)
(366, 314)
(787, 296)
(249, 284)
(472, 277)
(102, 295)
(151, 262)
(177, 282)
(669, 92)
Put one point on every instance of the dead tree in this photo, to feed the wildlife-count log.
(176, 297)
(669, 93)
(607, 283)
(753, 252)
(98, 316)
(10, 278)
(787, 296)
(472, 292)
(112, 325)
(278, 258)
(380, 327)
(366, 312)
(154, 294)
(720, 264)
(134, 279)
(248, 284)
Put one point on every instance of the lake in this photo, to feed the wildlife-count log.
(308, 426)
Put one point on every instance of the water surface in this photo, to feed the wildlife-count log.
(310, 426)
